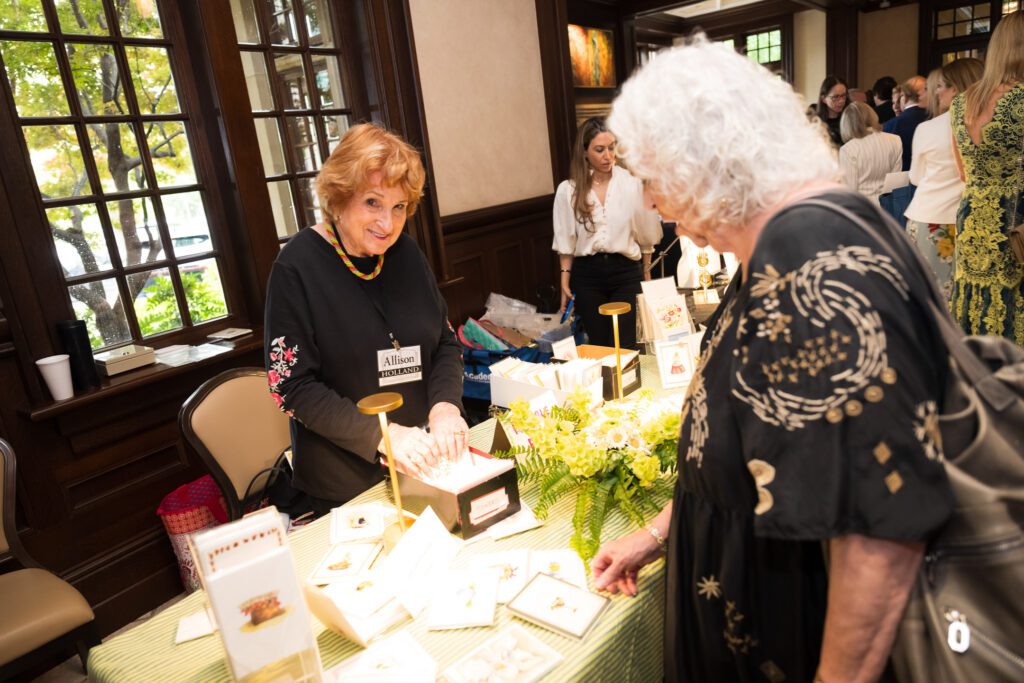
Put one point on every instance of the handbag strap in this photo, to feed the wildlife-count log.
(988, 387)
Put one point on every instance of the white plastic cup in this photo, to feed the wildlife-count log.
(56, 371)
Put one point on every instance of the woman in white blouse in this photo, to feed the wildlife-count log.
(867, 154)
(931, 216)
(602, 234)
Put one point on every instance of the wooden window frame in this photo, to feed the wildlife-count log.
(931, 49)
(739, 30)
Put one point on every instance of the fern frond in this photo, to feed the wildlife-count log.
(584, 501)
(558, 484)
(602, 504)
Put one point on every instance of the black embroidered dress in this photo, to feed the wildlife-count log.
(813, 414)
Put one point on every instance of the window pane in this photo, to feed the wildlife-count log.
(78, 236)
(84, 17)
(762, 40)
(186, 223)
(291, 81)
(35, 80)
(244, 16)
(282, 22)
(257, 81)
(116, 153)
(24, 15)
(135, 231)
(171, 153)
(775, 54)
(96, 78)
(751, 43)
(156, 304)
(283, 207)
(154, 82)
(318, 23)
(99, 305)
(302, 139)
(271, 150)
(946, 16)
(944, 32)
(139, 19)
(336, 127)
(776, 38)
(328, 81)
(57, 161)
(981, 10)
(963, 29)
(309, 204)
(204, 292)
(980, 26)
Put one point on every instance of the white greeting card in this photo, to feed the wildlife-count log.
(345, 560)
(512, 568)
(352, 523)
(563, 564)
(463, 599)
(425, 551)
(514, 654)
(263, 619)
(524, 520)
(327, 605)
(396, 659)
(558, 605)
(675, 362)
(231, 545)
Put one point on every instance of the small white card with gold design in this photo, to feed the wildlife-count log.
(345, 560)
(358, 523)
(512, 567)
(675, 362)
(563, 564)
(463, 599)
(559, 606)
(514, 654)
(396, 659)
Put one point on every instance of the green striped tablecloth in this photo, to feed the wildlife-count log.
(625, 645)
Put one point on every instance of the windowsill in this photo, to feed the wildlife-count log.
(141, 377)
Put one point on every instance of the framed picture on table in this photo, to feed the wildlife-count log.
(675, 362)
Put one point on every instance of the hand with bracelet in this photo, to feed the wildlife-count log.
(617, 563)
(449, 429)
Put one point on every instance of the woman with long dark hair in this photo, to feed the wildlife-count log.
(832, 100)
(602, 234)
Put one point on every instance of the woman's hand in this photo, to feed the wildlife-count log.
(449, 430)
(617, 562)
(415, 451)
(566, 292)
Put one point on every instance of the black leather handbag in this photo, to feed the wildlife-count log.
(964, 622)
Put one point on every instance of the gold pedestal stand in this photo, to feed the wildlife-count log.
(380, 405)
(615, 309)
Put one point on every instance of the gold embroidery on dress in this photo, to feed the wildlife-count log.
(926, 430)
(844, 364)
(764, 474)
(709, 587)
(882, 453)
(772, 672)
(894, 481)
(736, 642)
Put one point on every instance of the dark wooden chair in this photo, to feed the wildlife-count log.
(233, 424)
(41, 615)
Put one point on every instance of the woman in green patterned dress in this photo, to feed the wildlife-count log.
(988, 129)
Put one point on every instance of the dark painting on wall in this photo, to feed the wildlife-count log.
(592, 55)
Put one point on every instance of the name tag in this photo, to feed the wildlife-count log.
(399, 367)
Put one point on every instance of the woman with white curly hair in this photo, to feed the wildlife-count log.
(810, 423)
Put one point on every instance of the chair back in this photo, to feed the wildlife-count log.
(237, 429)
(6, 495)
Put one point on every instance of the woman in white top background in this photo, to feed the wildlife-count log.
(604, 235)
(867, 154)
(931, 216)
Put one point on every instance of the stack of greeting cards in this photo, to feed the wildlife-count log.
(662, 311)
(254, 593)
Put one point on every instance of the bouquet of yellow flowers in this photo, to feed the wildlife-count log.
(620, 454)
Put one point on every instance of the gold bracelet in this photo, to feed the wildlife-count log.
(658, 536)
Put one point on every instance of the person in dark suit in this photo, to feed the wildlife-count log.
(912, 115)
(882, 90)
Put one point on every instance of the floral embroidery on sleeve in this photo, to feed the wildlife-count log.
(282, 358)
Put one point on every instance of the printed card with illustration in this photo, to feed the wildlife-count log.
(514, 654)
(675, 362)
(558, 606)
(361, 596)
(345, 560)
(354, 523)
(563, 564)
(464, 599)
(263, 619)
(512, 568)
(395, 659)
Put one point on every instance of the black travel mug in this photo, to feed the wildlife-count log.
(76, 343)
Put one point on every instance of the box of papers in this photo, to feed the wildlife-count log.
(513, 379)
(630, 368)
(123, 359)
(475, 494)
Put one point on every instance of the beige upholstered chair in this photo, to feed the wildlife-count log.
(238, 431)
(41, 616)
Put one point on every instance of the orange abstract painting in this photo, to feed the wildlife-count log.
(592, 57)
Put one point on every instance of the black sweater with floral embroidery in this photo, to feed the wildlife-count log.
(324, 327)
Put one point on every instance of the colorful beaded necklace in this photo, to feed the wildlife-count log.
(333, 238)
